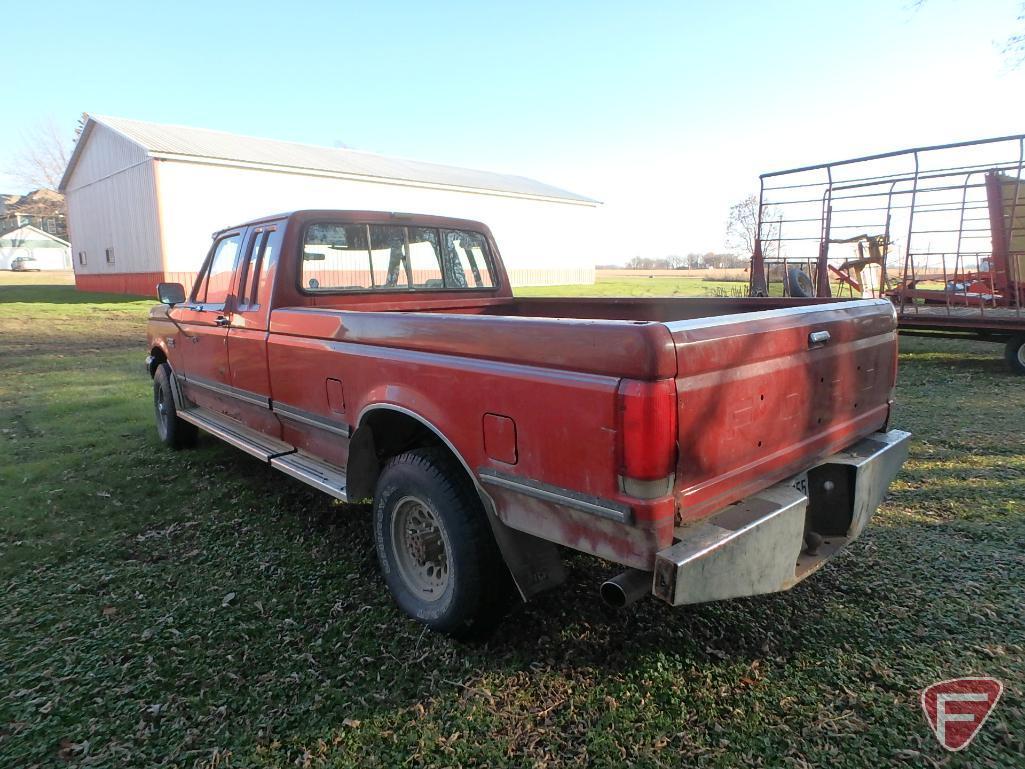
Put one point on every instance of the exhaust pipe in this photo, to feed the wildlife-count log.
(626, 588)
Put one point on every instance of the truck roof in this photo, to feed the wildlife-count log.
(397, 216)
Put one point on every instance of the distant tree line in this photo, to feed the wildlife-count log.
(709, 260)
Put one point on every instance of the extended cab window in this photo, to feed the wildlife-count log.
(467, 259)
(215, 284)
(387, 257)
(263, 247)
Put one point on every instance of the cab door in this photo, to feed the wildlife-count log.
(204, 321)
(248, 328)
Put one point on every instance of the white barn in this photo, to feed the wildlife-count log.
(47, 251)
(143, 200)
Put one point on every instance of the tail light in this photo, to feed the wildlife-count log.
(647, 437)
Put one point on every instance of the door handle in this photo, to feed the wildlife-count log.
(818, 338)
(221, 320)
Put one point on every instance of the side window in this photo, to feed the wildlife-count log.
(216, 281)
(250, 269)
(467, 260)
(268, 254)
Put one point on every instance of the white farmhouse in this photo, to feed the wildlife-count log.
(35, 248)
(143, 200)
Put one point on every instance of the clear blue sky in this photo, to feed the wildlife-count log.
(663, 110)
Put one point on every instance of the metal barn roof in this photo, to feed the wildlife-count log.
(172, 142)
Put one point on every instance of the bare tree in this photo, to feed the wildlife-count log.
(1014, 49)
(1014, 45)
(742, 228)
(43, 157)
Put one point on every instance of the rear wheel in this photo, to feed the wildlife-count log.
(1014, 353)
(172, 430)
(435, 546)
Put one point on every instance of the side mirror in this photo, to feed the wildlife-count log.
(171, 293)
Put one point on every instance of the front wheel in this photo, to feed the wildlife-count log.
(172, 430)
(435, 546)
(1014, 354)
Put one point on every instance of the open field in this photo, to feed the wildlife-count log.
(639, 284)
(613, 272)
(197, 609)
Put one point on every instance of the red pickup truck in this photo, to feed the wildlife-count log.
(714, 447)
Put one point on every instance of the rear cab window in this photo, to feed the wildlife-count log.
(387, 257)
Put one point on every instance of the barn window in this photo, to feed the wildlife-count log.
(110, 255)
(81, 257)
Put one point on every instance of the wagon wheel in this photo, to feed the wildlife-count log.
(1014, 354)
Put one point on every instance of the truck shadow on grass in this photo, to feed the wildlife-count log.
(569, 617)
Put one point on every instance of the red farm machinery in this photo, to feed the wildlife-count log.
(938, 230)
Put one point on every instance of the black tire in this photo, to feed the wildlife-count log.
(799, 284)
(1014, 354)
(435, 545)
(173, 431)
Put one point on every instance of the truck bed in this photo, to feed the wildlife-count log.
(656, 309)
(757, 399)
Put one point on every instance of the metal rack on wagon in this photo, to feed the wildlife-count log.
(938, 230)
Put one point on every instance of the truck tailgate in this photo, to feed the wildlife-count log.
(765, 395)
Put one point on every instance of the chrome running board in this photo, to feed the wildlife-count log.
(230, 431)
(281, 456)
(321, 475)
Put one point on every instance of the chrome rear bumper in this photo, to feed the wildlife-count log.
(759, 546)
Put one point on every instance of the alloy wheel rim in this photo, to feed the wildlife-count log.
(420, 548)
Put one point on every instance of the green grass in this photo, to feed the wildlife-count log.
(642, 286)
(197, 609)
